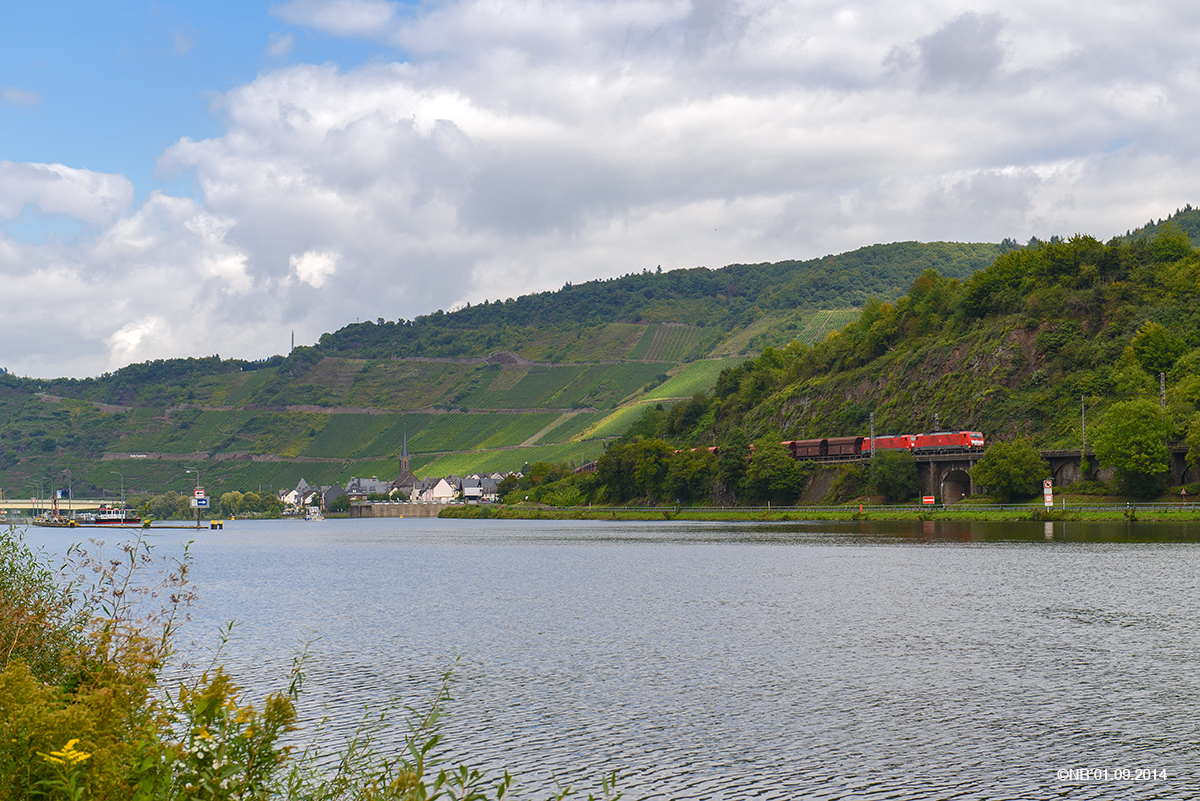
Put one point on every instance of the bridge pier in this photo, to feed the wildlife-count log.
(947, 476)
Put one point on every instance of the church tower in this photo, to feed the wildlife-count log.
(406, 481)
(405, 469)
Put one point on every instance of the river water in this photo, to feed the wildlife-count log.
(738, 661)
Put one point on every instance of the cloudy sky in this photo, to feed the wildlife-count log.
(190, 178)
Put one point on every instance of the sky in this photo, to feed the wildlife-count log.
(196, 178)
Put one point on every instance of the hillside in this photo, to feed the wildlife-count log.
(1014, 350)
(1021, 349)
(545, 377)
(1010, 351)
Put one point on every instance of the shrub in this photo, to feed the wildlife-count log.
(39, 625)
(894, 475)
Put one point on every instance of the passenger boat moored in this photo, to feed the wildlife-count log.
(112, 515)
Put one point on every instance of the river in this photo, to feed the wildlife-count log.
(737, 661)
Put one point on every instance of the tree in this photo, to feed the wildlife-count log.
(169, 505)
(634, 470)
(508, 484)
(1171, 244)
(1131, 439)
(251, 502)
(690, 476)
(894, 475)
(1193, 441)
(230, 503)
(1129, 377)
(650, 468)
(773, 475)
(1156, 348)
(732, 459)
(1011, 470)
(616, 471)
(271, 506)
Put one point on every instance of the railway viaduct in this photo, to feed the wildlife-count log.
(947, 476)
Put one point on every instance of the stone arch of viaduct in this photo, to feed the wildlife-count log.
(947, 477)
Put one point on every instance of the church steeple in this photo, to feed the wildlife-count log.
(405, 469)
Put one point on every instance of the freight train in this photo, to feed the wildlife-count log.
(937, 442)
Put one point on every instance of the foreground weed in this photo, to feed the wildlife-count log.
(83, 716)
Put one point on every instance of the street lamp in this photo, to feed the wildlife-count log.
(70, 492)
(196, 495)
(117, 472)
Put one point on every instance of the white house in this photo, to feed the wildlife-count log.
(440, 491)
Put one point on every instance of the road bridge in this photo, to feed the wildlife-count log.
(75, 505)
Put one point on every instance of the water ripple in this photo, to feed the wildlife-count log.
(706, 661)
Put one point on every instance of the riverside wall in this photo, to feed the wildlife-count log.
(359, 510)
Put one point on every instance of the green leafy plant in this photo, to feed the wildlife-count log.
(1011, 470)
(894, 475)
(1131, 439)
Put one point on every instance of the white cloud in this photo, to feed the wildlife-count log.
(181, 43)
(965, 51)
(340, 17)
(279, 45)
(524, 144)
(314, 267)
(131, 340)
(19, 97)
(94, 197)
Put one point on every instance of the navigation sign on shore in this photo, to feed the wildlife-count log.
(199, 503)
(928, 500)
(1048, 492)
(199, 493)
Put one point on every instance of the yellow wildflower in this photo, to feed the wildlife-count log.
(67, 756)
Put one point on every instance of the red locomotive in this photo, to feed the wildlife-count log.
(949, 442)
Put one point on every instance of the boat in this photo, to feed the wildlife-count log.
(314, 514)
(112, 515)
(54, 520)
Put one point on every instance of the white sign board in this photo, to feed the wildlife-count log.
(199, 493)
(199, 503)
(1048, 492)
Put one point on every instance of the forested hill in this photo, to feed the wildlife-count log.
(727, 298)
(1187, 219)
(1010, 351)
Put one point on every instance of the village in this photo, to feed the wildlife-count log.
(406, 487)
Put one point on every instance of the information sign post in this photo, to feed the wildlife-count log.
(199, 502)
(1048, 493)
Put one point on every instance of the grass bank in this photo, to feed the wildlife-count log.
(1095, 513)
